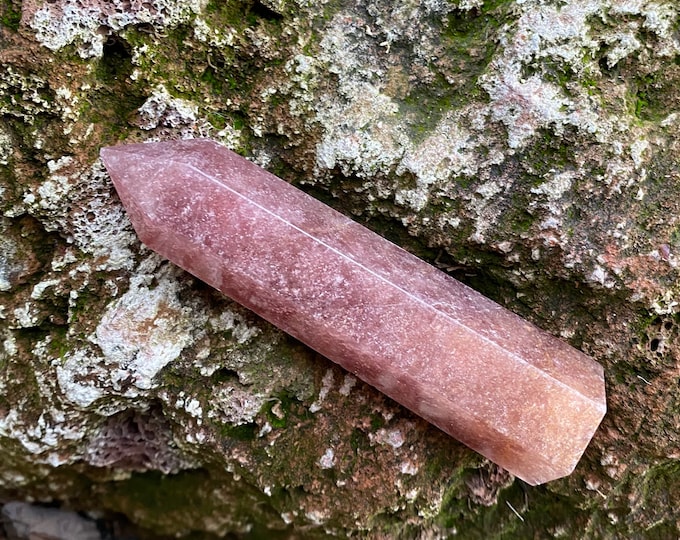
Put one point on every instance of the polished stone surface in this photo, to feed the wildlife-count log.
(519, 396)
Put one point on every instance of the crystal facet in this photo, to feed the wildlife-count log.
(512, 392)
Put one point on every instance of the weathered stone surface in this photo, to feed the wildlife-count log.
(28, 522)
(517, 395)
(529, 149)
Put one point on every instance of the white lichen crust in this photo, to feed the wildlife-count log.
(529, 147)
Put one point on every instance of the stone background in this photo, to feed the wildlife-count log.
(527, 147)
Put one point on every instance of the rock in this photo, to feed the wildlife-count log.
(528, 148)
(24, 521)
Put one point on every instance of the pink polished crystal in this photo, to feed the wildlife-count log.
(517, 395)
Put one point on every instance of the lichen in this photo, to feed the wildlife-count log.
(81, 213)
(88, 25)
(528, 148)
(162, 109)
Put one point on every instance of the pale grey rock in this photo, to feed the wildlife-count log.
(529, 147)
(24, 521)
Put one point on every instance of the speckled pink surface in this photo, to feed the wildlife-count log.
(517, 395)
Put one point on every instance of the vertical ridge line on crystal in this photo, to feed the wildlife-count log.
(414, 297)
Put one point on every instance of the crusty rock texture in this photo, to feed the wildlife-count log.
(529, 148)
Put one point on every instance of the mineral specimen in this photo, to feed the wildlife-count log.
(517, 395)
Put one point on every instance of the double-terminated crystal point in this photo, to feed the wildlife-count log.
(517, 395)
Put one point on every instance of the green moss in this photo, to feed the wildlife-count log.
(358, 440)
(653, 95)
(10, 15)
(243, 432)
(552, 70)
(27, 95)
(164, 494)
(235, 13)
(643, 504)
(188, 502)
(467, 38)
(651, 85)
(330, 9)
(541, 511)
(278, 410)
(241, 14)
(455, 506)
(659, 492)
(87, 310)
(113, 99)
(377, 421)
(547, 154)
(218, 79)
(210, 77)
(59, 344)
(238, 120)
(518, 219)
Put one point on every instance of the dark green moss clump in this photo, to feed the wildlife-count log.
(10, 14)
